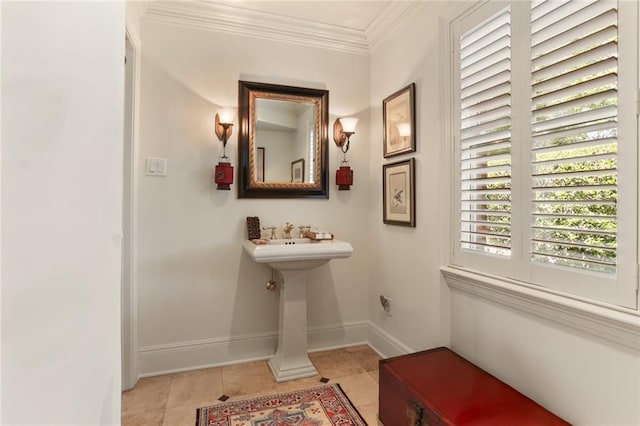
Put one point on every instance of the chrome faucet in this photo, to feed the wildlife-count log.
(287, 230)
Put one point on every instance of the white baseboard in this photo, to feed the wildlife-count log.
(193, 355)
(337, 336)
(385, 344)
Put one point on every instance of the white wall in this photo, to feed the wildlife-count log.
(201, 299)
(581, 377)
(404, 265)
(62, 111)
(585, 379)
(278, 153)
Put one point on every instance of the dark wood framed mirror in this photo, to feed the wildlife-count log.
(283, 124)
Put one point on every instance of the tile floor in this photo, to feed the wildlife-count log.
(172, 399)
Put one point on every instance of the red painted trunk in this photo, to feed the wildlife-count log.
(439, 387)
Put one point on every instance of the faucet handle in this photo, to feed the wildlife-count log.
(302, 229)
(273, 231)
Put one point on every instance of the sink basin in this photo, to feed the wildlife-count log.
(293, 258)
(298, 253)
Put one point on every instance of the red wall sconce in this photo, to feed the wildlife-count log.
(223, 174)
(343, 129)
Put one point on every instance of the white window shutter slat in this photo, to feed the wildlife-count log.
(485, 136)
(570, 177)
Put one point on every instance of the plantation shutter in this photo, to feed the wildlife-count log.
(485, 136)
(574, 123)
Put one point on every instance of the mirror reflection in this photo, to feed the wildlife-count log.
(285, 140)
(282, 141)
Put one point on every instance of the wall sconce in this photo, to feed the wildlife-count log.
(224, 128)
(343, 129)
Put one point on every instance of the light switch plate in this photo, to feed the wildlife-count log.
(156, 166)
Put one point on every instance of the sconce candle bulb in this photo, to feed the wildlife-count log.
(343, 129)
(224, 126)
(349, 125)
(226, 116)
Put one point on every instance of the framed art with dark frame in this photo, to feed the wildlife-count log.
(399, 121)
(297, 171)
(260, 165)
(399, 193)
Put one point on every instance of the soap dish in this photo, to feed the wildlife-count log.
(319, 235)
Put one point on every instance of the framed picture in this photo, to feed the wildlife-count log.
(399, 193)
(297, 171)
(260, 165)
(399, 120)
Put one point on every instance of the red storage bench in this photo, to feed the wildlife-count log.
(439, 387)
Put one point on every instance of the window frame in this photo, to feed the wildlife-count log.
(519, 266)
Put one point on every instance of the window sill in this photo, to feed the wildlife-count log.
(617, 324)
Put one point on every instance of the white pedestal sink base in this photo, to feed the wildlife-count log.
(291, 360)
(293, 259)
(283, 372)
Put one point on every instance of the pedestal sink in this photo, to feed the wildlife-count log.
(293, 259)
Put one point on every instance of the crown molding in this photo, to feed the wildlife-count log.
(235, 20)
(391, 20)
(232, 19)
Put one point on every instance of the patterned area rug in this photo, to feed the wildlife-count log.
(322, 406)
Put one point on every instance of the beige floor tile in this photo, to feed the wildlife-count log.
(360, 388)
(143, 418)
(375, 374)
(336, 364)
(148, 395)
(294, 385)
(283, 387)
(243, 397)
(366, 356)
(360, 348)
(195, 390)
(247, 379)
(197, 373)
(172, 400)
(180, 416)
(369, 413)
